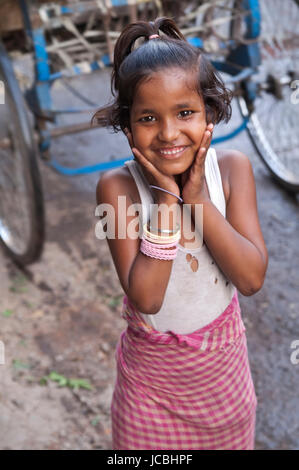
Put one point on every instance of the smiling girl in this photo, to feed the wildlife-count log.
(183, 375)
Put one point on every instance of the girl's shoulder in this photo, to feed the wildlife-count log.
(117, 181)
(230, 163)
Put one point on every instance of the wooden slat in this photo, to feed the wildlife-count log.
(11, 17)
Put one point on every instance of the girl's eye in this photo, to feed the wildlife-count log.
(185, 113)
(147, 119)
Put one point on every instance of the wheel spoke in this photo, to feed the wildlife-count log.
(15, 215)
(279, 43)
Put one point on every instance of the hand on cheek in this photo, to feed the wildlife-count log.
(193, 178)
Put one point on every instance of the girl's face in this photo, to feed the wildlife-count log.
(168, 120)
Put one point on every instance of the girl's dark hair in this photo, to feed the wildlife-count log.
(169, 50)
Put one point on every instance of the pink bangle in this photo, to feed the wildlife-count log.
(153, 250)
(158, 255)
(158, 245)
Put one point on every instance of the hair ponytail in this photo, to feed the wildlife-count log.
(124, 46)
(168, 27)
(134, 31)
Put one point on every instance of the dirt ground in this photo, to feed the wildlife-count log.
(62, 314)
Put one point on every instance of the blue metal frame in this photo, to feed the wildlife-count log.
(39, 96)
(241, 62)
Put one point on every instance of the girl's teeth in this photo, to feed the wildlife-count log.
(172, 152)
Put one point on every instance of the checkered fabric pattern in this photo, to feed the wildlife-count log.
(184, 392)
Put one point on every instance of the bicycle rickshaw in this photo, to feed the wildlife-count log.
(254, 42)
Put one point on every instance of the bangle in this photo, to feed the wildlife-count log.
(159, 246)
(146, 230)
(161, 239)
(153, 250)
(166, 191)
(159, 230)
(152, 237)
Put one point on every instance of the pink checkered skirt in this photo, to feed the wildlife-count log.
(183, 392)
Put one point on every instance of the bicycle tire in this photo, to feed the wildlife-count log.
(272, 117)
(286, 178)
(21, 195)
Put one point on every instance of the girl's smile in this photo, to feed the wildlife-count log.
(172, 152)
(168, 119)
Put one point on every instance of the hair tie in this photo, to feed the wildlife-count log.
(153, 36)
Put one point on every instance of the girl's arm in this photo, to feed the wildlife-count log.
(143, 279)
(236, 242)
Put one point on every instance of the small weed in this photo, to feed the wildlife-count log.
(7, 313)
(95, 421)
(115, 301)
(17, 364)
(18, 284)
(65, 382)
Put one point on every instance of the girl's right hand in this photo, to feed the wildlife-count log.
(156, 177)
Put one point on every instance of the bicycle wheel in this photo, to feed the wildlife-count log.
(273, 122)
(21, 196)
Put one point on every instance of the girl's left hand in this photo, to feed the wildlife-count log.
(192, 179)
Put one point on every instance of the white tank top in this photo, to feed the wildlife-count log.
(193, 299)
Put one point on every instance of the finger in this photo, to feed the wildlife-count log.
(201, 154)
(139, 155)
(206, 138)
(184, 177)
(146, 163)
(210, 139)
(209, 129)
(198, 165)
(155, 176)
(129, 137)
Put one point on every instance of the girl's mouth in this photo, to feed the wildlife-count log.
(172, 152)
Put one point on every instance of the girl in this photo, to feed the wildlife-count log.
(183, 375)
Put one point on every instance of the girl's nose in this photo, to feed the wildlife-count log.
(168, 131)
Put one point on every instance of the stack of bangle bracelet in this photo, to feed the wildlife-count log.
(160, 246)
